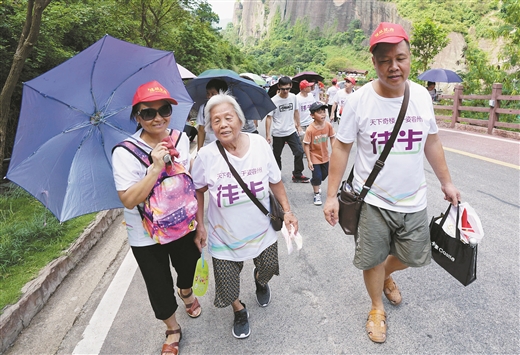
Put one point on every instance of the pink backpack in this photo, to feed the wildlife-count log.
(169, 211)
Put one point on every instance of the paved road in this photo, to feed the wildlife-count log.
(319, 303)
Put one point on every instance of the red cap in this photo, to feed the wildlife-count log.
(152, 91)
(305, 84)
(388, 32)
(334, 81)
(352, 80)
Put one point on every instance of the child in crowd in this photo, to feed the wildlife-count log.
(315, 144)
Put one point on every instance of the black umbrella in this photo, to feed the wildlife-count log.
(295, 89)
(308, 75)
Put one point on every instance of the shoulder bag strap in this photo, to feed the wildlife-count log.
(388, 146)
(241, 182)
(136, 151)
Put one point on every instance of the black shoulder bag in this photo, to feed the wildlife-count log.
(350, 201)
(276, 214)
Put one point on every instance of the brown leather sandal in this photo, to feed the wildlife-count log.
(392, 292)
(172, 348)
(193, 309)
(376, 326)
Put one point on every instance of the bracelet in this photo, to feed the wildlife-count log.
(284, 212)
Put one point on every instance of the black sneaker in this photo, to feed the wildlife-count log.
(302, 178)
(241, 328)
(263, 293)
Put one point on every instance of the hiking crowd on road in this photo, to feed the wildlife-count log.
(393, 229)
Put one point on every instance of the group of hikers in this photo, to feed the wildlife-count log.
(393, 229)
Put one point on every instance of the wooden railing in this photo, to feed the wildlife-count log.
(494, 102)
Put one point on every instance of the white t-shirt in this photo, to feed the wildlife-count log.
(237, 229)
(249, 126)
(340, 99)
(128, 170)
(331, 94)
(316, 92)
(210, 136)
(283, 116)
(304, 104)
(370, 118)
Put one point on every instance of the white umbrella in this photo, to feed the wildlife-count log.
(185, 73)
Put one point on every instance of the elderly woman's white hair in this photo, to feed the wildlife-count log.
(221, 98)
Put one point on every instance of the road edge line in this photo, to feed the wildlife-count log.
(494, 161)
(99, 325)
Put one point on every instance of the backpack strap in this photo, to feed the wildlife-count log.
(176, 135)
(140, 153)
(136, 151)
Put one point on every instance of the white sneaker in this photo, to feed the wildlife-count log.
(317, 199)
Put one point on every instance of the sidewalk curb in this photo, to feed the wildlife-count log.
(36, 292)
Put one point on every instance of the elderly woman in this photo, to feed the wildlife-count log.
(237, 229)
(151, 108)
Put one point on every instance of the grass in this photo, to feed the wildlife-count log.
(30, 238)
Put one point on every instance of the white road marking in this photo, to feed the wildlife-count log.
(96, 331)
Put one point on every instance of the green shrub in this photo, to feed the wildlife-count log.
(30, 238)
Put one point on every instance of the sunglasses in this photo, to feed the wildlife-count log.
(149, 114)
(285, 89)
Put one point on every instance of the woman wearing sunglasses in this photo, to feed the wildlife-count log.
(151, 108)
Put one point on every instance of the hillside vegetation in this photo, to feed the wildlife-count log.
(287, 49)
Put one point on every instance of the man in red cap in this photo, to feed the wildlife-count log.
(393, 229)
(304, 101)
(341, 97)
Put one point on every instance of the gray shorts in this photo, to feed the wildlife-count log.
(382, 232)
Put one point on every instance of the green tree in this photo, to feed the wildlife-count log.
(480, 76)
(28, 38)
(154, 18)
(510, 13)
(357, 39)
(336, 64)
(428, 39)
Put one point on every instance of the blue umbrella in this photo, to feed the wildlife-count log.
(440, 76)
(74, 114)
(252, 98)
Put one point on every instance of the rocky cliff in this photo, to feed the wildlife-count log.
(251, 18)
